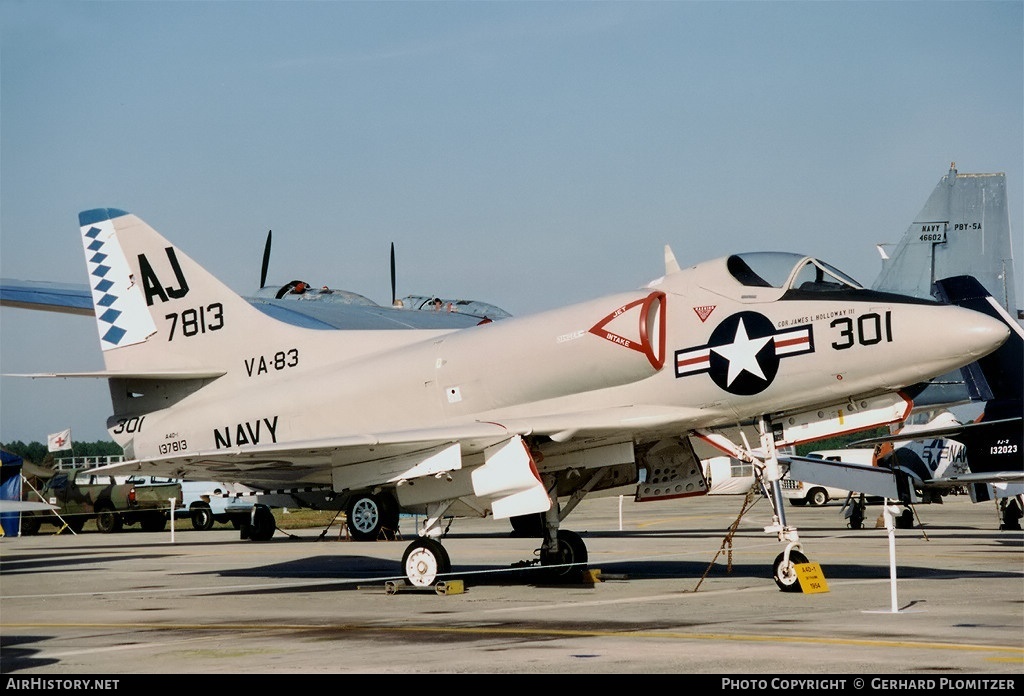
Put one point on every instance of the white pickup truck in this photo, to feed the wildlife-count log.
(801, 493)
(207, 502)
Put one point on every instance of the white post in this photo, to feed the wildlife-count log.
(173, 501)
(891, 527)
(620, 513)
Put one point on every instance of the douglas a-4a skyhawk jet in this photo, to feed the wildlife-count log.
(503, 418)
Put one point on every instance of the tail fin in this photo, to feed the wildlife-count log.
(158, 313)
(963, 229)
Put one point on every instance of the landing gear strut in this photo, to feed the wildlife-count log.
(562, 552)
(425, 559)
(769, 474)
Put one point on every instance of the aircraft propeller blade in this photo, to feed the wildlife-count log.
(393, 297)
(266, 261)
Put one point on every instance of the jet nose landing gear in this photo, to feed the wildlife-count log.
(424, 560)
(785, 570)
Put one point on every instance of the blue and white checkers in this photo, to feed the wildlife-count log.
(122, 316)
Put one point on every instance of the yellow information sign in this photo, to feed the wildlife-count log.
(811, 578)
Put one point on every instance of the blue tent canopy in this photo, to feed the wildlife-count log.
(10, 489)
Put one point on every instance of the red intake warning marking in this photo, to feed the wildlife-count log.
(649, 324)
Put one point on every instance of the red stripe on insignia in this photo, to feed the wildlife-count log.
(791, 341)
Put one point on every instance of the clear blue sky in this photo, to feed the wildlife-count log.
(530, 154)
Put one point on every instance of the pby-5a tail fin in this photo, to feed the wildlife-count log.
(157, 311)
(963, 229)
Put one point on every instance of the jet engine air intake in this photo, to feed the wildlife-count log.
(650, 328)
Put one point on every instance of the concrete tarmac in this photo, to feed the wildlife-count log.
(670, 596)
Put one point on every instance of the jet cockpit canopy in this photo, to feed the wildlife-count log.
(765, 276)
(788, 271)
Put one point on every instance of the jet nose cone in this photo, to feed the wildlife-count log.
(971, 334)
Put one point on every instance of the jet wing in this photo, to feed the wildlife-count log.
(313, 462)
(67, 298)
(71, 298)
(123, 374)
(861, 478)
(879, 481)
(335, 315)
(393, 456)
(950, 431)
(967, 479)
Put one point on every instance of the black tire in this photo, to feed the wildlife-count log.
(30, 525)
(76, 523)
(424, 561)
(261, 524)
(153, 521)
(569, 560)
(528, 526)
(202, 517)
(1011, 514)
(107, 520)
(392, 516)
(785, 576)
(905, 520)
(367, 514)
(817, 497)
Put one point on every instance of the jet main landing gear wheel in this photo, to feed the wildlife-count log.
(261, 524)
(367, 515)
(424, 560)
(785, 573)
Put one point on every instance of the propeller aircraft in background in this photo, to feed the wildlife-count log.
(303, 290)
(318, 308)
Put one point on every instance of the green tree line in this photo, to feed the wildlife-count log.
(37, 452)
(840, 441)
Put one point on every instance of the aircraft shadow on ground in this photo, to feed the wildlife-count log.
(17, 655)
(333, 574)
(71, 562)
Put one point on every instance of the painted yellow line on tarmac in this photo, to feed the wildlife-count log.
(1013, 654)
